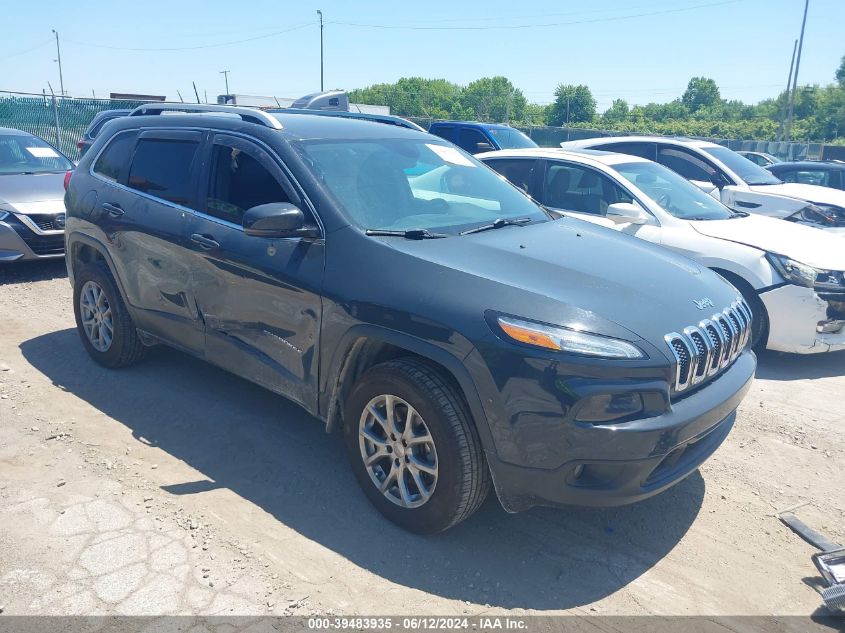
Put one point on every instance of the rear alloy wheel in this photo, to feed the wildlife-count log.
(413, 446)
(102, 320)
(96, 316)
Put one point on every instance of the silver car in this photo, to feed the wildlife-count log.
(32, 209)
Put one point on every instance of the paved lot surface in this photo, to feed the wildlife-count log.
(174, 487)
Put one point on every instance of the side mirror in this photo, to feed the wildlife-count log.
(275, 219)
(484, 147)
(705, 185)
(626, 213)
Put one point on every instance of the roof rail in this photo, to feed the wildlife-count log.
(250, 115)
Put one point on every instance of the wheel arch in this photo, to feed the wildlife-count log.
(84, 249)
(366, 346)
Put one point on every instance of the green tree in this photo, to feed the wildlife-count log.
(412, 96)
(616, 113)
(535, 114)
(840, 72)
(494, 99)
(700, 92)
(573, 104)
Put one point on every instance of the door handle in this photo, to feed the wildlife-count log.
(204, 241)
(114, 210)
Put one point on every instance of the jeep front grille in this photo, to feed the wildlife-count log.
(703, 350)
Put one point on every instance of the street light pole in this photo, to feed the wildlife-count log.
(225, 74)
(788, 132)
(320, 13)
(59, 59)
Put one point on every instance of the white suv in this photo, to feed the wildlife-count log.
(791, 275)
(736, 181)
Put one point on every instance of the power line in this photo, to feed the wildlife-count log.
(533, 25)
(192, 48)
(28, 50)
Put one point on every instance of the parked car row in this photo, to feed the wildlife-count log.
(539, 337)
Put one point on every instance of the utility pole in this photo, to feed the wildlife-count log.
(786, 97)
(320, 13)
(59, 59)
(795, 76)
(225, 74)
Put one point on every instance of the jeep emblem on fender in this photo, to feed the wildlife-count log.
(704, 303)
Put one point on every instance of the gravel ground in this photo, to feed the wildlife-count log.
(174, 487)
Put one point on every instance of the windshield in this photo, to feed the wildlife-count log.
(25, 154)
(401, 184)
(509, 138)
(748, 172)
(674, 193)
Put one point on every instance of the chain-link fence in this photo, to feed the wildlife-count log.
(58, 120)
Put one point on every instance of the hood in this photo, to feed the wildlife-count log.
(815, 247)
(569, 272)
(33, 193)
(799, 191)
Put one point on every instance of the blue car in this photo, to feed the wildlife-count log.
(481, 137)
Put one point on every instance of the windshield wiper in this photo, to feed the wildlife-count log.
(496, 224)
(410, 234)
(738, 214)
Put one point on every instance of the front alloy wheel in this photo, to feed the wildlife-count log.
(398, 451)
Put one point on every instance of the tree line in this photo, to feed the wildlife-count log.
(819, 111)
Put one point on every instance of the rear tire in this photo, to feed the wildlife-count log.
(102, 320)
(436, 457)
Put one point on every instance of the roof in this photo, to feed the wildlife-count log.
(486, 126)
(10, 131)
(808, 164)
(578, 155)
(686, 142)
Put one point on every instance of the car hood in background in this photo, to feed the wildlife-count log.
(814, 247)
(800, 191)
(33, 193)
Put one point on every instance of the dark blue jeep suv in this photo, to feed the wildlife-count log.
(399, 290)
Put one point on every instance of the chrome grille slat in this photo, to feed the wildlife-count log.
(703, 350)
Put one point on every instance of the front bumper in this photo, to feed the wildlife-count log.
(795, 313)
(627, 462)
(21, 239)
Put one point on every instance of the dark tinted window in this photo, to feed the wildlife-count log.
(686, 164)
(806, 176)
(239, 182)
(520, 171)
(581, 189)
(162, 168)
(113, 163)
(469, 138)
(643, 150)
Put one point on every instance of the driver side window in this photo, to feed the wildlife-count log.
(239, 180)
(581, 189)
(686, 164)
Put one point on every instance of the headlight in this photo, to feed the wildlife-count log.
(567, 340)
(819, 215)
(793, 271)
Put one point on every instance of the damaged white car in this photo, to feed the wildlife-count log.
(733, 179)
(791, 275)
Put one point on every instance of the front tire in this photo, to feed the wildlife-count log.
(102, 320)
(413, 447)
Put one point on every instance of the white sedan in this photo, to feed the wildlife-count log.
(731, 178)
(791, 275)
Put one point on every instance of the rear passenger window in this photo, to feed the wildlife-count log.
(519, 171)
(239, 182)
(162, 168)
(113, 162)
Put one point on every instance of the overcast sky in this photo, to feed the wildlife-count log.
(639, 50)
